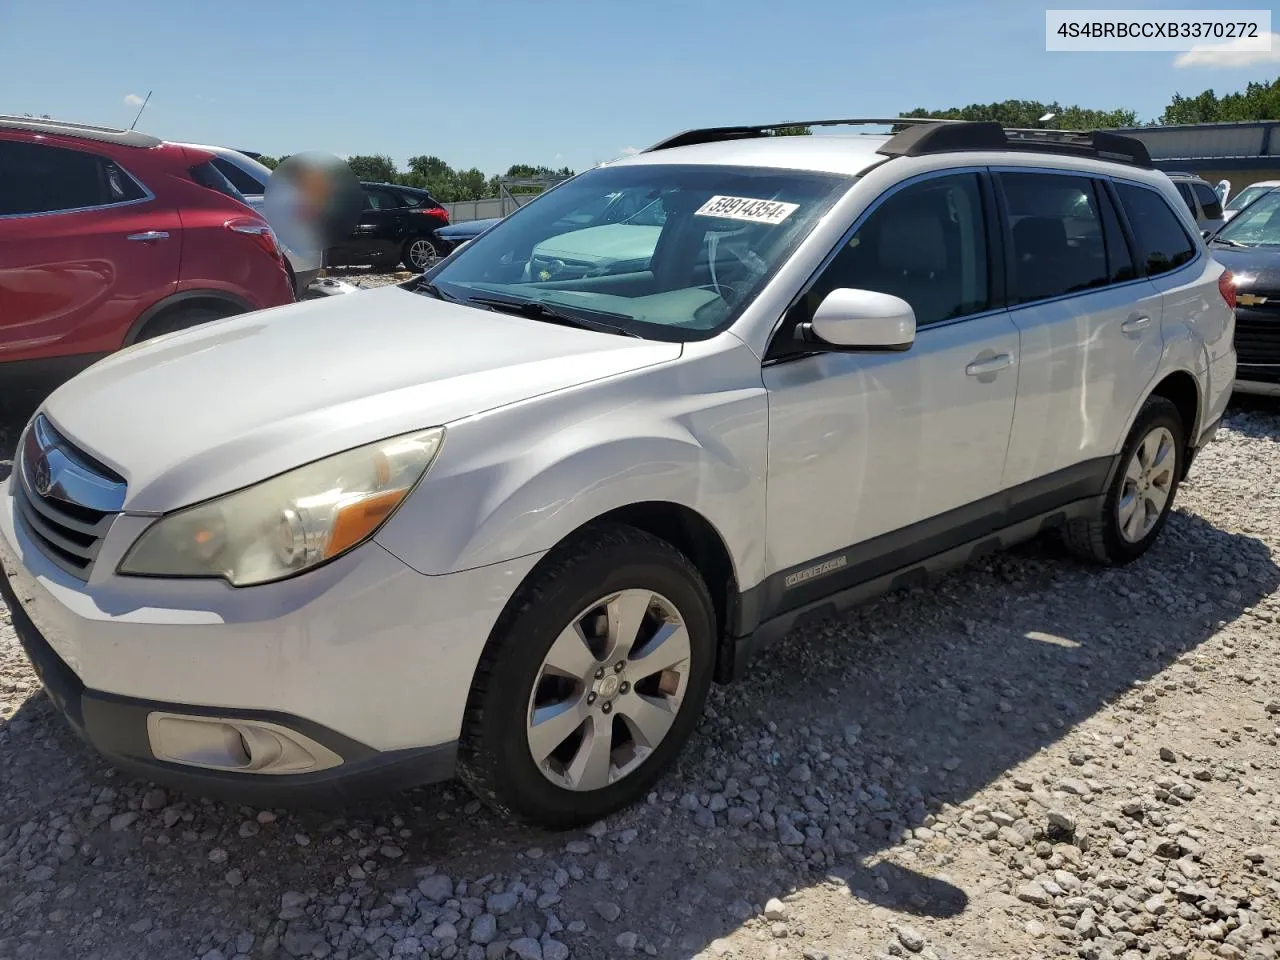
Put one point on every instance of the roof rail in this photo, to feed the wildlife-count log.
(934, 138)
(124, 138)
(716, 134)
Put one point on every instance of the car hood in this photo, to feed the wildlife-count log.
(1257, 268)
(209, 410)
(468, 228)
(613, 241)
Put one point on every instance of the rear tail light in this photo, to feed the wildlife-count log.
(1227, 287)
(262, 234)
(436, 213)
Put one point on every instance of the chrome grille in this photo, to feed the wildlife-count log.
(66, 500)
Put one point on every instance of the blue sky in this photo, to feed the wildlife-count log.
(489, 83)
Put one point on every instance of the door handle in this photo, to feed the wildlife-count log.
(149, 236)
(1135, 323)
(990, 365)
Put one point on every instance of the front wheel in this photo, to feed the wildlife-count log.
(592, 681)
(1142, 492)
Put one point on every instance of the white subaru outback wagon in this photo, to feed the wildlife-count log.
(509, 520)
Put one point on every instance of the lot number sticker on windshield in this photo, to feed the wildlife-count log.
(745, 208)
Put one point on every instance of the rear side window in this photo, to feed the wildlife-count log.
(1209, 200)
(375, 199)
(35, 178)
(209, 176)
(1056, 231)
(246, 184)
(1163, 244)
(1184, 191)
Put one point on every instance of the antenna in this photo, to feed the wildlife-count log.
(140, 109)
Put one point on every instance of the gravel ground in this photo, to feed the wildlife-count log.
(1027, 759)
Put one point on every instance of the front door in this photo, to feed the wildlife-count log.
(878, 460)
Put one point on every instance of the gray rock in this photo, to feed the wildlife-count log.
(801, 773)
(500, 904)
(739, 817)
(123, 821)
(788, 835)
(554, 950)
(483, 928)
(609, 910)
(911, 938)
(436, 887)
(526, 948)
(155, 799)
(627, 941)
(1033, 893)
(445, 931)
(775, 909)
(577, 847)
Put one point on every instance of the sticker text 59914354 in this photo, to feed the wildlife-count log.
(746, 208)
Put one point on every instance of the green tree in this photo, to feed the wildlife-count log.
(471, 185)
(377, 167)
(269, 162)
(1258, 101)
(790, 132)
(1027, 113)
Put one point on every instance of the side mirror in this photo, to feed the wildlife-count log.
(861, 320)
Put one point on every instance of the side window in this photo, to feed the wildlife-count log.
(1208, 200)
(246, 184)
(1120, 266)
(1184, 191)
(1163, 244)
(35, 178)
(1056, 231)
(380, 200)
(926, 244)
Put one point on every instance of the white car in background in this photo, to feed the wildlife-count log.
(1246, 196)
(250, 177)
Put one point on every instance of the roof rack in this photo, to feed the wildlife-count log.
(941, 137)
(716, 134)
(124, 138)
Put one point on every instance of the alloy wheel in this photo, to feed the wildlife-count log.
(1148, 485)
(421, 253)
(608, 690)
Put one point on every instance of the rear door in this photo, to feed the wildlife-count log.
(85, 247)
(1089, 327)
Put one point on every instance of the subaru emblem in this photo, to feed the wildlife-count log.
(42, 476)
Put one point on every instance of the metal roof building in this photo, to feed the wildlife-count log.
(1240, 152)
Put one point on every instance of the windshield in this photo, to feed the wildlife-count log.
(1257, 226)
(669, 252)
(1246, 197)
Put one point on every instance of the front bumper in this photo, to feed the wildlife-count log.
(365, 660)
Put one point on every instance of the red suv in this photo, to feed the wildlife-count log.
(108, 237)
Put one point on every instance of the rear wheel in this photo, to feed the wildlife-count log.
(419, 253)
(180, 318)
(592, 681)
(1141, 496)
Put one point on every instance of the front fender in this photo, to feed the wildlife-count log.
(519, 480)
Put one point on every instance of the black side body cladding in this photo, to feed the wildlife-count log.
(826, 585)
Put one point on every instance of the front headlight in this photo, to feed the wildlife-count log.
(289, 523)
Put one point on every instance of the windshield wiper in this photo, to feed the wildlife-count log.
(538, 310)
(1230, 243)
(429, 288)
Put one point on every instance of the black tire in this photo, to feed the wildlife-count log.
(407, 259)
(180, 318)
(494, 757)
(1099, 538)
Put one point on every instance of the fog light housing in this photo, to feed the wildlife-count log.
(235, 745)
